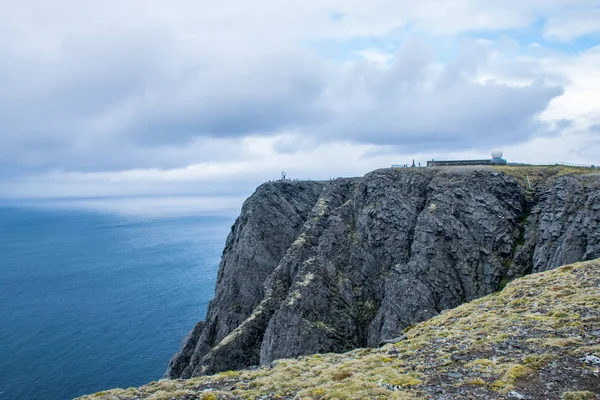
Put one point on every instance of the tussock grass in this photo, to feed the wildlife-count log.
(579, 395)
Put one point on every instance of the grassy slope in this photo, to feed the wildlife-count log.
(530, 338)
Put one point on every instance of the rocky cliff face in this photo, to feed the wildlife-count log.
(314, 267)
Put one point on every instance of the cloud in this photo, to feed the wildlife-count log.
(260, 161)
(376, 56)
(110, 112)
(417, 104)
(574, 23)
(234, 97)
(115, 88)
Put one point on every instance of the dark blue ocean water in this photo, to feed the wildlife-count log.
(91, 300)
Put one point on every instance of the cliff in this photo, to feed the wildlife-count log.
(536, 339)
(319, 267)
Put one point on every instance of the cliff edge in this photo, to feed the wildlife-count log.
(320, 267)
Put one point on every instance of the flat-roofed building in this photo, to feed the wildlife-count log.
(495, 160)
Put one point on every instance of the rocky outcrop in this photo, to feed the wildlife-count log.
(563, 226)
(271, 219)
(315, 267)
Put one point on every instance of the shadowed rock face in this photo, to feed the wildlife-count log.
(563, 226)
(271, 219)
(314, 267)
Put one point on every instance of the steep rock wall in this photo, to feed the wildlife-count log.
(271, 219)
(313, 267)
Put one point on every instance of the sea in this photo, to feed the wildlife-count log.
(99, 294)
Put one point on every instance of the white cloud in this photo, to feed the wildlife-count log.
(580, 102)
(124, 97)
(574, 23)
(376, 56)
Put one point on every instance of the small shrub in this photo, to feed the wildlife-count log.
(517, 372)
(579, 395)
(341, 375)
(538, 361)
(481, 364)
(312, 394)
(561, 342)
(404, 380)
(513, 374)
(477, 382)
(228, 374)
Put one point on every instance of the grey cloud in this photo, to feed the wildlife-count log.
(437, 109)
(134, 100)
(292, 144)
(459, 72)
(242, 98)
(131, 100)
(49, 100)
(574, 22)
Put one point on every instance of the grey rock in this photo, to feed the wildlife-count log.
(459, 357)
(316, 267)
(271, 219)
(591, 359)
(516, 395)
(393, 340)
(563, 226)
(393, 351)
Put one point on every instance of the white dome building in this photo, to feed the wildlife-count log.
(497, 157)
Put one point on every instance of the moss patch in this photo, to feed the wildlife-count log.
(579, 395)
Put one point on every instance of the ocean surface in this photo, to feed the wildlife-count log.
(93, 297)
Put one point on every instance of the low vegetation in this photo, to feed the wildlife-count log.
(540, 174)
(539, 338)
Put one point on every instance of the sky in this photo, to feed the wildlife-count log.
(196, 98)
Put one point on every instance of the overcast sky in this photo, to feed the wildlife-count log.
(191, 97)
